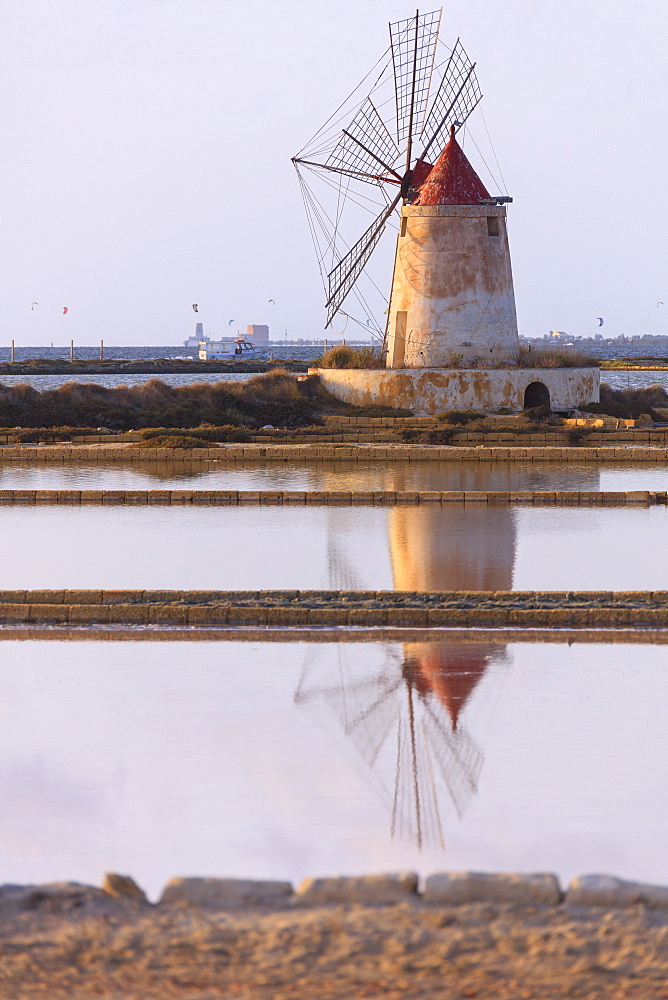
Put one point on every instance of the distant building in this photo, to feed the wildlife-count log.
(257, 333)
(199, 337)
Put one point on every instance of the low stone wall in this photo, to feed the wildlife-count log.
(444, 889)
(248, 454)
(352, 609)
(427, 391)
(582, 498)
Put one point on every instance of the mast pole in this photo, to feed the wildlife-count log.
(414, 767)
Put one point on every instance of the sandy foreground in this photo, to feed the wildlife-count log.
(127, 951)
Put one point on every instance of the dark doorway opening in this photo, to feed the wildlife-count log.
(536, 394)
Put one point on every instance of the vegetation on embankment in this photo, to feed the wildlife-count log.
(277, 398)
(629, 403)
(157, 366)
(531, 357)
(639, 363)
(343, 356)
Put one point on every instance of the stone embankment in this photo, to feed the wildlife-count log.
(249, 454)
(577, 498)
(497, 937)
(352, 609)
(440, 889)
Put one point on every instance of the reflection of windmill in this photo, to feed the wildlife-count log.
(404, 718)
(365, 155)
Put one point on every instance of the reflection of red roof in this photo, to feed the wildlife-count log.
(452, 180)
(449, 672)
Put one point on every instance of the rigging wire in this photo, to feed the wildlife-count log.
(503, 181)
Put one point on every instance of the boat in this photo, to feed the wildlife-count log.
(229, 349)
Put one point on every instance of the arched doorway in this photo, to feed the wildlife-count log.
(536, 394)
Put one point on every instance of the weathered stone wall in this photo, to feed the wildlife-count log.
(399, 532)
(350, 609)
(452, 291)
(440, 889)
(434, 390)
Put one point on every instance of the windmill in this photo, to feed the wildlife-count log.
(380, 147)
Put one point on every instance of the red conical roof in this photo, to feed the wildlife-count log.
(452, 180)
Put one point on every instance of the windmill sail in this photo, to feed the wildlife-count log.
(346, 168)
(365, 148)
(413, 44)
(342, 278)
(456, 97)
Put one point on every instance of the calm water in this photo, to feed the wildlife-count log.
(337, 476)
(42, 382)
(289, 760)
(635, 380)
(426, 547)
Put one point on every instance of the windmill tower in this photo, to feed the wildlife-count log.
(452, 300)
(393, 151)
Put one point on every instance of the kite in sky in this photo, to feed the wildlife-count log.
(65, 310)
(195, 307)
(600, 320)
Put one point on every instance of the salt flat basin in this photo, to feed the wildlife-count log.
(255, 759)
(190, 474)
(410, 547)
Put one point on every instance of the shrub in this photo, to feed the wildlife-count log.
(442, 435)
(532, 357)
(276, 398)
(459, 417)
(629, 403)
(377, 411)
(26, 435)
(351, 357)
(172, 441)
(576, 435)
(205, 434)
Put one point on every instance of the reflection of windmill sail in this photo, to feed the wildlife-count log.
(426, 750)
(455, 99)
(413, 45)
(348, 270)
(402, 725)
(365, 146)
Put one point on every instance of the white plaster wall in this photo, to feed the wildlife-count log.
(454, 283)
(429, 391)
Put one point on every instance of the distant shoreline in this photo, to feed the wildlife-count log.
(158, 366)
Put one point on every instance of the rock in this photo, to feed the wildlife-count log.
(615, 893)
(225, 893)
(455, 888)
(53, 897)
(367, 890)
(123, 887)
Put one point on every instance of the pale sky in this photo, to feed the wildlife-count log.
(146, 158)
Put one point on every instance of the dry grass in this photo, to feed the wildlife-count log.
(276, 398)
(530, 357)
(629, 403)
(351, 357)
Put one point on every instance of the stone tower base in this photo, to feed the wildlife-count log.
(427, 391)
